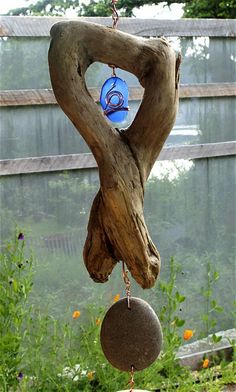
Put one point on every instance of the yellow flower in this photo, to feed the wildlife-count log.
(116, 298)
(90, 375)
(188, 334)
(205, 363)
(76, 314)
(98, 321)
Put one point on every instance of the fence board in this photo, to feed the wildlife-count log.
(46, 96)
(27, 97)
(87, 161)
(26, 26)
(198, 151)
(47, 164)
(208, 90)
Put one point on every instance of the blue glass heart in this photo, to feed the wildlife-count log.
(114, 99)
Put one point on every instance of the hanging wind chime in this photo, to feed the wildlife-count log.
(114, 93)
(131, 335)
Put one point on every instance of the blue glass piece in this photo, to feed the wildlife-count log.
(114, 99)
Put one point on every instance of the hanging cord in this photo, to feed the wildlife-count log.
(131, 381)
(127, 284)
(128, 294)
(115, 15)
(115, 18)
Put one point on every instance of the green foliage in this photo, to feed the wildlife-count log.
(212, 308)
(15, 286)
(40, 353)
(210, 9)
(46, 7)
(192, 8)
(97, 8)
(172, 324)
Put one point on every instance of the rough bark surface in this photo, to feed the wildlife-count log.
(116, 228)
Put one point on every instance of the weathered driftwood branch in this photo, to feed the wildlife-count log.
(116, 229)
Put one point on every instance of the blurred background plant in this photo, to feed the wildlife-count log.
(40, 352)
(15, 286)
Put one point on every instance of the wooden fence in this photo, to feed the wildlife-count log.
(25, 26)
(40, 27)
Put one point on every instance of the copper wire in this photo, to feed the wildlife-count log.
(115, 15)
(131, 381)
(115, 18)
(113, 69)
(127, 284)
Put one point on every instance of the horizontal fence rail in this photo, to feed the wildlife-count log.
(46, 96)
(39, 26)
(87, 161)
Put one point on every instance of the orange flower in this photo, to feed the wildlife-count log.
(116, 298)
(188, 334)
(76, 314)
(90, 375)
(98, 321)
(205, 363)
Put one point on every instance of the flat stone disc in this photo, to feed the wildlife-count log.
(131, 337)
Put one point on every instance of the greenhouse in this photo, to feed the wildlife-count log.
(51, 311)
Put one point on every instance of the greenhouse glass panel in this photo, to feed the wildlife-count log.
(24, 63)
(205, 60)
(28, 131)
(204, 120)
(45, 130)
(190, 213)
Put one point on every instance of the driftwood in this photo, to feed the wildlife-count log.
(116, 228)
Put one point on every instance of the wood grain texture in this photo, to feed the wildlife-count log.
(27, 97)
(39, 26)
(116, 228)
(49, 163)
(46, 96)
